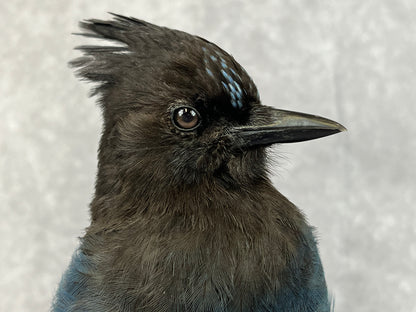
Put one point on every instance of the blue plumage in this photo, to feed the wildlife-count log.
(73, 283)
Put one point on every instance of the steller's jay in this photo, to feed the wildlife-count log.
(184, 216)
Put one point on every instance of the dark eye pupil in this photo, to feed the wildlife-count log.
(186, 118)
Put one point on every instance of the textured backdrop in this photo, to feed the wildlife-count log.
(353, 61)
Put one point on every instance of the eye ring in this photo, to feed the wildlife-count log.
(186, 118)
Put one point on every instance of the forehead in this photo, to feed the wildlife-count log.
(221, 70)
(229, 78)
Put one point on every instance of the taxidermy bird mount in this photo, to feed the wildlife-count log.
(184, 216)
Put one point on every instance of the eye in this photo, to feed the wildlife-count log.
(186, 118)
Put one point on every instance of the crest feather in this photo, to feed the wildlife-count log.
(102, 63)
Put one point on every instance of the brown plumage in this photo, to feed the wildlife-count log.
(187, 219)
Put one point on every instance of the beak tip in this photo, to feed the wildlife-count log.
(341, 128)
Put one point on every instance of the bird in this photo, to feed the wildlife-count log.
(184, 215)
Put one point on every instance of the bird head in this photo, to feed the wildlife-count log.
(178, 110)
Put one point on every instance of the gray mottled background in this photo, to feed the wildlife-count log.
(353, 61)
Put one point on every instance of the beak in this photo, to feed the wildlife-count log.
(285, 127)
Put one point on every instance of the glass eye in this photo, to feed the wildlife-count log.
(186, 118)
